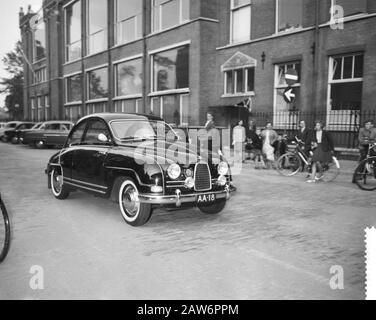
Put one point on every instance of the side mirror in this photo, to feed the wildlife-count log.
(102, 138)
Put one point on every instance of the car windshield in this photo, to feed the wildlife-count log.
(11, 125)
(142, 129)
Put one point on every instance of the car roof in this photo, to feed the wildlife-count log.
(122, 116)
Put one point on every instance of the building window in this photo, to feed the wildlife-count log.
(97, 25)
(129, 78)
(240, 20)
(171, 69)
(346, 82)
(351, 7)
(289, 15)
(40, 75)
(47, 113)
(98, 83)
(73, 31)
(240, 81)
(169, 13)
(74, 88)
(282, 109)
(39, 38)
(41, 105)
(174, 109)
(128, 20)
(128, 106)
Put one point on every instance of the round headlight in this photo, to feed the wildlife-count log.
(174, 171)
(223, 168)
(222, 180)
(189, 183)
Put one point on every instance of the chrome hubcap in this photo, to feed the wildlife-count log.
(57, 182)
(130, 201)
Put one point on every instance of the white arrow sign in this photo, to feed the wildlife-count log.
(289, 95)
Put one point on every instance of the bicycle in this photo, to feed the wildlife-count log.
(4, 231)
(292, 163)
(365, 172)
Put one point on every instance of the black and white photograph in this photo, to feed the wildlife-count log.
(188, 150)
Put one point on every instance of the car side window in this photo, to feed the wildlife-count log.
(95, 128)
(52, 127)
(64, 127)
(77, 134)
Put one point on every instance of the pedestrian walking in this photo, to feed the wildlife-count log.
(303, 134)
(269, 137)
(239, 139)
(322, 146)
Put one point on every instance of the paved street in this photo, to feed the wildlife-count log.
(277, 238)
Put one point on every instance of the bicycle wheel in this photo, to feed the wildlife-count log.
(4, 232)
(365, 175)
(289, 164)
(331, 170)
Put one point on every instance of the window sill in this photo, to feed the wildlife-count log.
(131, 96)
(235, 95)
(97, 100)
(74, 103)
(168, 92)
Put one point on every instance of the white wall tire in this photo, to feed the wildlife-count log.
(58, 188)
(133, 211)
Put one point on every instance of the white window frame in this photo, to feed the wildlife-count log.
(68, 76)
(35, 60)
(151, 57)
(87, 80)
(68, 45)
(345, 113)
(277, 86)
(117, 24)
(277, 5)
(161, 114)
(46, 106)
(88, 35)
(232, 10)
(159, 8)
(116, 65)
(235, 79)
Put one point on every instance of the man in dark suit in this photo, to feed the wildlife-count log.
(303, 134)
(209, 125)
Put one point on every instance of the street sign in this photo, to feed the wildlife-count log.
(291, 77)
(289, 95)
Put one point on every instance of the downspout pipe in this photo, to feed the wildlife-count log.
(316, 57)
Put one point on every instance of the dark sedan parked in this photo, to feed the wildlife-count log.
(130, 159)
(19, 137)
(10, 134)
(49, 134)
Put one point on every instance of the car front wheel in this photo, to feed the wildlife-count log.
(59, 190)
(15, 140)
(214, 208)
(133, 211)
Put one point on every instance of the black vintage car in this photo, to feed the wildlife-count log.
(139, 162)
(49, 134)
(9, 134)
(19, 137)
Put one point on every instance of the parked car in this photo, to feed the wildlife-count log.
(19, 137)
(9, 125)
(9, 134)
(2, 125)
(125, 158)
(49, 134)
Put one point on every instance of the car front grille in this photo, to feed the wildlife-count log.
(202, 177)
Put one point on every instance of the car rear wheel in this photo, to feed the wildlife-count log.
(133, 211)
(214, 208)
(15, 140)
(58, 188)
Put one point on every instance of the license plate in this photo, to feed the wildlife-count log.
(206, 198)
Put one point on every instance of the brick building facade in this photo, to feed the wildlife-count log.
(181, 58)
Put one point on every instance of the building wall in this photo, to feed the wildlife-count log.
(208, 32)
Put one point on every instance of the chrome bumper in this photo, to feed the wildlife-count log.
(178, 199)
